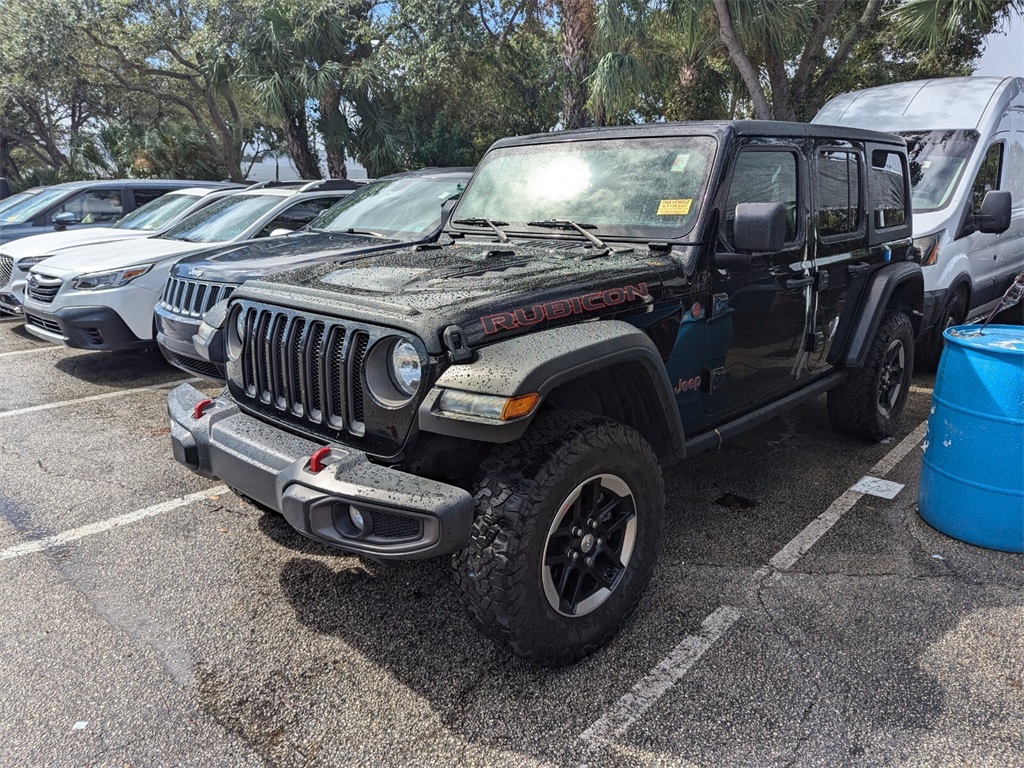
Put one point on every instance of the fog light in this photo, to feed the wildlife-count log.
(357, 519)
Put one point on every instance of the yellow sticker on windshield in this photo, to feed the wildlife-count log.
(679, 207)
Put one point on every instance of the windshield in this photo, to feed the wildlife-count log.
(9, 202)
(937, 161)
(158, 213)
(644, 188)
(223, 220)
(31, 207)
(396, 208)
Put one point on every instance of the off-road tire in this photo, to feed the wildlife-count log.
(519, 491)
(854, 407)
(929, 349)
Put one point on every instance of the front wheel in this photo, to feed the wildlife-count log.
(568, 520)
(870, 402)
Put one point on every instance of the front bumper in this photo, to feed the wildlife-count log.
(409, 517)
(82, 327)
(174, 335)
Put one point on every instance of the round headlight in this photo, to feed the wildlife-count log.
(405, 367)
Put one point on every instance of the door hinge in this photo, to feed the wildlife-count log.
(712, 379)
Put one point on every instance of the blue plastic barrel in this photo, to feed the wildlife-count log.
(972, 477)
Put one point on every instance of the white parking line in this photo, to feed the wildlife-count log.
(49, 348)
(92, 398)
(670, 670)
(28, 547)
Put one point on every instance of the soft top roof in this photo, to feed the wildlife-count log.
(717, 128)
(946, 103)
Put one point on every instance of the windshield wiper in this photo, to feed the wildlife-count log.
(566, 224)
(351, 231)
(495, 225)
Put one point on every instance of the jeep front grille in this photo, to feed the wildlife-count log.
(6, 269)
(43, 289)
(192, 298)
(306, 368)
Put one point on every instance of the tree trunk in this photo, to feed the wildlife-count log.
(330, 125)
(578, 26)
(296, 135)
(739, 57)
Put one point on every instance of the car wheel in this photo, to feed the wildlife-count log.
(870, 402)
(568, 520)
(929, 350)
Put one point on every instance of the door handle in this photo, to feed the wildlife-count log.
(856, 268)
(799, 283)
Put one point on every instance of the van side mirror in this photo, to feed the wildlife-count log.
(63, 220)
(759, 227)
(280, 231)
(447, 207)
(994, 217)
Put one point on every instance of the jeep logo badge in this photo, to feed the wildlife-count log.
(195, 272)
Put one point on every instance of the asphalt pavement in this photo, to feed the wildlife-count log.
(152, 618)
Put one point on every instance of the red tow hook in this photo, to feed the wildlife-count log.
(200, 409)
(316, 461)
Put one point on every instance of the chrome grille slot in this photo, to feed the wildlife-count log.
(308, 370)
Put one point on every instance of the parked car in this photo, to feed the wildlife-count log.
(18, 257)
(102, 296)
(84, 204)
(404, 209)
(17, 199)
(610, 301)
(966, 139)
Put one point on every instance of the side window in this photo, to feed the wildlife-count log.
(888, 188)
(299, 215)
(143, 196)
(764, 177)
(988, 175)
(838, 185)
(94, 206)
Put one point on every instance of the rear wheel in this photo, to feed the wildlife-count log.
(870, 402)
(568, 520)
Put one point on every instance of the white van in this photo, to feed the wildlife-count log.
(965, 137)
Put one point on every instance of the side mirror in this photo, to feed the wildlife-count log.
(63, 220)
(994, 217)
(280, 231)
(759, 227)
(209, 340)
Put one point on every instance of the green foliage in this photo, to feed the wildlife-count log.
(183, 87)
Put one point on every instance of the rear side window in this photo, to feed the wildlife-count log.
(838, 187)
(988, 176)
(764, 177)
(143, 196)
(888, 187)
(299, 215)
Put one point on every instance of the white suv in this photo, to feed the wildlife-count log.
(103, 296)
(19, 256)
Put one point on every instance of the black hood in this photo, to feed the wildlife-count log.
(492, 290)
(258, 258)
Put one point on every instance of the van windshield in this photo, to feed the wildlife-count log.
(937, 161)
(31, 207)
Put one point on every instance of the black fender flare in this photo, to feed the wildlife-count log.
(540, 362)
(866, 304)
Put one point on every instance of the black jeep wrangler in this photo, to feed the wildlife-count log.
(604, 303)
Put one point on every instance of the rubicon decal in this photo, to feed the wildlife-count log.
(559, 308)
